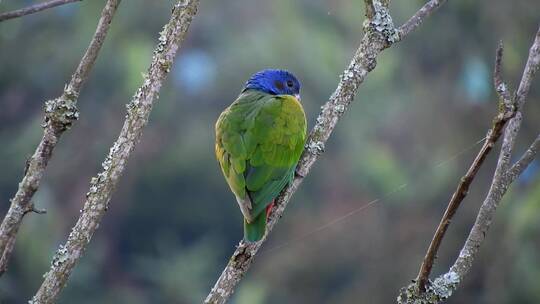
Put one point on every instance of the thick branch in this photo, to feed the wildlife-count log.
(444, 285)
(506, 111)
(60, 113)
(103, 185)
(379, 35)
(34, 9)
(5, 257)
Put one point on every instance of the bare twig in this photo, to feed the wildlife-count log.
(60, 113)
(444, 285)
(103, 185)
(500, 86)
(527, 157)
(379, 35)
(506, 112)
(370, 9)
(531, 67)
(416, 20)
(34, 9)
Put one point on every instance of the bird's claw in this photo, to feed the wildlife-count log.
(298, 174)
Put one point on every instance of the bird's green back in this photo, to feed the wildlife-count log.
(259, 140)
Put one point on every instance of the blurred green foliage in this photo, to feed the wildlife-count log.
(173, 223)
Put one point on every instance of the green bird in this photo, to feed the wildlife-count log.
(259, 140)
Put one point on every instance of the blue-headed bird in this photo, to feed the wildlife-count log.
(259, 140)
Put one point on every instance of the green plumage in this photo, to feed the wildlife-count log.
(259, 140)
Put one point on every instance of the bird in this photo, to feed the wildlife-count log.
(259, 140)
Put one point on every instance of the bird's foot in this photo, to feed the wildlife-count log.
(298, 174)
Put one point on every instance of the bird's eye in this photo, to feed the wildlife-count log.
(290, 83)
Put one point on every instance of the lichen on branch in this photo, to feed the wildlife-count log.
(379, 34)
(60, 114)
(102, 186)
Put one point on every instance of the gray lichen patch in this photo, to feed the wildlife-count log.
(437, 291)
(339, 109)
(162, 41)
(382, 23)
(61, 112)
(444, 285)
(315, 147)
(60, 257)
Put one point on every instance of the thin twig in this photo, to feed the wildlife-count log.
(444, 285)
(506, 112)
(34, 9)
(370, 9)
(531, 67)
(500, 86)
(102, 186)
(416, 20)
(60, 114)
(379, 35)
(527, 157)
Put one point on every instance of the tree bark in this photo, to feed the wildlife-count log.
(443, 286)
(103, 185)
(60, 114)
(34, 9)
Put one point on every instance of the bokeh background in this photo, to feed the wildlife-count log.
(173, 224)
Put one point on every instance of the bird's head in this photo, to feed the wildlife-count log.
(275, 82)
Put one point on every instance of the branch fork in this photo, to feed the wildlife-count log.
(379, 20)
(507, 110)
(60, 114)
(429, 292)
(379, 34)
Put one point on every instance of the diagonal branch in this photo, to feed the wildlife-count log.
(527, 157)
(444, 285)
(60, 114)
(416, 20)
(506, 112)
(102, 186)
(34, 9)
(379, 35)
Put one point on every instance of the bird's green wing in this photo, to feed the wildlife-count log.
(259, 139)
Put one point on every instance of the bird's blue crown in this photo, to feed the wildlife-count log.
(275, 82)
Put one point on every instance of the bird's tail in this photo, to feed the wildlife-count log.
(254, 232)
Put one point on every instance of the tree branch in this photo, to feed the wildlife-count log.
(527, 157)
(103, 185)
(34, 9)
(5, 256)
(500, 86)
(370, 9)
(506, 112)
(531, 67)
(60, 113)
(444, 285)
(416, 20)
(379, 35)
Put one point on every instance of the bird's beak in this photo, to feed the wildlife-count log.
(298, 97)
